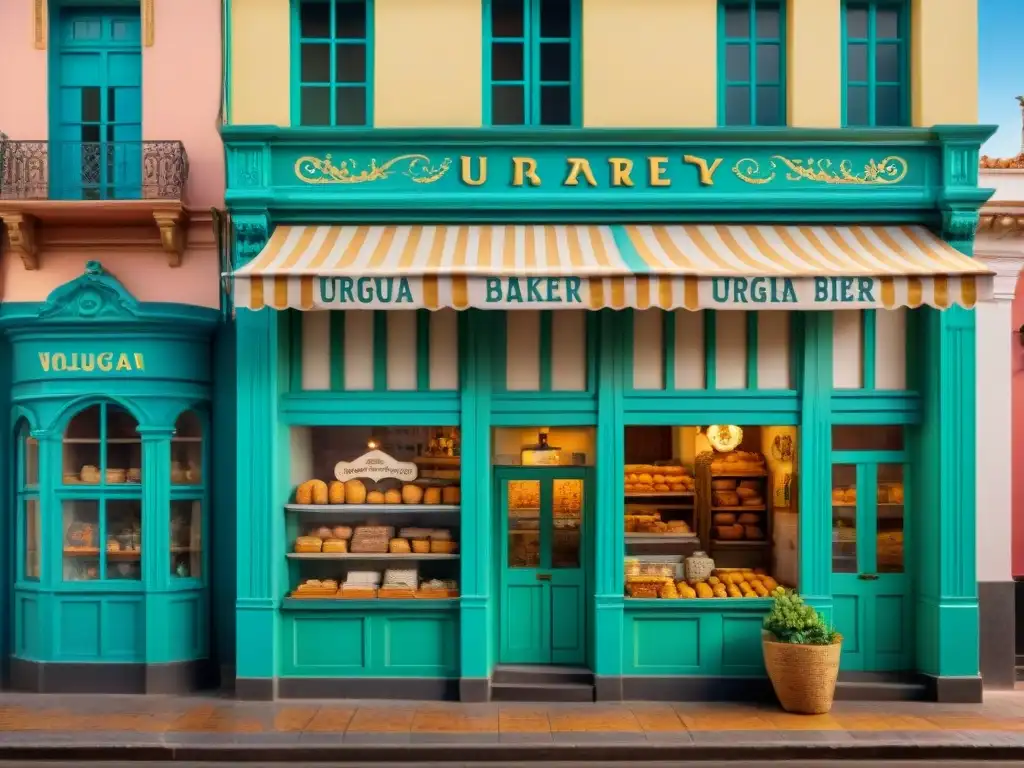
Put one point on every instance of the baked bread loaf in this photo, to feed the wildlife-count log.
(724, 518)
(729, 532)
(451, 494)
(335, 545)
(355, 492)
(375, 497)
(432, 496)
(723, 485)
(318, 489)
(308, 544)
(336, 492)
(412, 494)
(725, 499)
(753, 533)
(304, 493)
(749, 518)
(341, 532)
(399, 547)
(392, 497)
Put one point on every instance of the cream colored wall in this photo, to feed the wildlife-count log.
(650, 63)
(944, 62)
(260, 62)
(814, 63)
(428, 63)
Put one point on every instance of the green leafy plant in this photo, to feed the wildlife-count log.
(791, 620)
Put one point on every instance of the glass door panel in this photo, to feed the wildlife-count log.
(844, 518)
(567, 523)
(889, 539)
(523, 523)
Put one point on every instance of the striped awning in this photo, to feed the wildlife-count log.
(593, 267)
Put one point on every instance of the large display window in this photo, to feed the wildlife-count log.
(101, 495)
(27, 490)
(709, 511)
(187, 496)
(375, 513)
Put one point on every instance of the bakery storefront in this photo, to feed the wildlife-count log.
(524, 415)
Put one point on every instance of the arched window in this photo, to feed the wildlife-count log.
(187, 493)
(27, 489)
(101, 495)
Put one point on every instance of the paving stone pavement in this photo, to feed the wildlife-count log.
(207, 722)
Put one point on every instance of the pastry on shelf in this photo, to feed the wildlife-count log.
(399, 547)
(393, 496)
(336, 546)
(724, 499)
(375, 497)
(134, 475)
(90, 474)
(432, 496)
(322, 532)
(308, 545)
(729, 532)
(451, 494)
(355, 492)
(412, 494)
(336, 492)
(442, 547)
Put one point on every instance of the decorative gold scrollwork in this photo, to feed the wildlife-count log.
(418, 168)
(888, 170)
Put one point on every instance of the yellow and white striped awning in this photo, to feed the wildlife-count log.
(551, 266)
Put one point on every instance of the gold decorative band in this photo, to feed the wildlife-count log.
(148, 23)
(39, 22)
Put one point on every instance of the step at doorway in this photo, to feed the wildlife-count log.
(542, 683)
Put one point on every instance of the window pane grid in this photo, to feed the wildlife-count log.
(863, 52)
(335, 64)
(752, 63)
(542, 92)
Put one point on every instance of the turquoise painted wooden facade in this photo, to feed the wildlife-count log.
(628, 643)
(105, 393)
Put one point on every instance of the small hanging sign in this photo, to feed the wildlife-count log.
(376, 466)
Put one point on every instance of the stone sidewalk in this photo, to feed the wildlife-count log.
(217, 728)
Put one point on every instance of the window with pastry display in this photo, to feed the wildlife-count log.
(101, 495)
(187, 493)
(27, 489)
(868, 497)
(700, 505)
(375, 513)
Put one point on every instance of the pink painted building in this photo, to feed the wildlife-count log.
(111, 186)
(142, 88)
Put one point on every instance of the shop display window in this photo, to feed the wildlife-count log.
(187, 450)
(27, 452)
(102, 475)
(375, 512)
(710, 511)
(186, 539)
(543, 446)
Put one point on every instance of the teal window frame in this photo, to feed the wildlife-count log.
(531, 82)
(333, 85)
(753, 40)
(872, 41)
(25, 493)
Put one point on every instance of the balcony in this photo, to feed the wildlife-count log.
(45, 183)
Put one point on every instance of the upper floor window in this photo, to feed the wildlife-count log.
(335, 62)
(875, 63)
(532, 61)
(752, 83)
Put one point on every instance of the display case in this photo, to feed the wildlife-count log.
(376, 528)
(735, 491)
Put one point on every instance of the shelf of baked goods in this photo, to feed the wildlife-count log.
(392, 584)
(658, 481)
(650, 578)
(738, 507)
(888, 501)
(648, 528)
(352, 497)
(374, 542)
(119, 554)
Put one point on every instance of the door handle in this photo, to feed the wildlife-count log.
(868, 576)
(543, 577)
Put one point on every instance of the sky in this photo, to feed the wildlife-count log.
(1001, 73)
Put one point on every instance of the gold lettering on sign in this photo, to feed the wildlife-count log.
(621, 168)
(707, 174)
(578, 165)
(656, 172)
(524, 166)
(467, 171)
(87, 362)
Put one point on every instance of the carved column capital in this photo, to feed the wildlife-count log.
(251, 232)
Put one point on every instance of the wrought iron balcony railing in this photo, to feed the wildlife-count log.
(102, 170)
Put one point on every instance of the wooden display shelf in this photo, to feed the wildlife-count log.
(741, 508)
(751, 543)
(662, 495)
(363, 509)
(370, 556)
(661, 538)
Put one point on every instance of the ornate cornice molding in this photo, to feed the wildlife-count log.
(1001, 224)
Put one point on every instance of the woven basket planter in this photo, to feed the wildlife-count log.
(803, 676)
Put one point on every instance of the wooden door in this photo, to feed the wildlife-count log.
(543, 571)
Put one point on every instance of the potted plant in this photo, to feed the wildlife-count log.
(801, 654)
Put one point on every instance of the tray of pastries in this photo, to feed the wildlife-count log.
(738, 463)
(318, 492)
(657, 479)
(316, 588)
